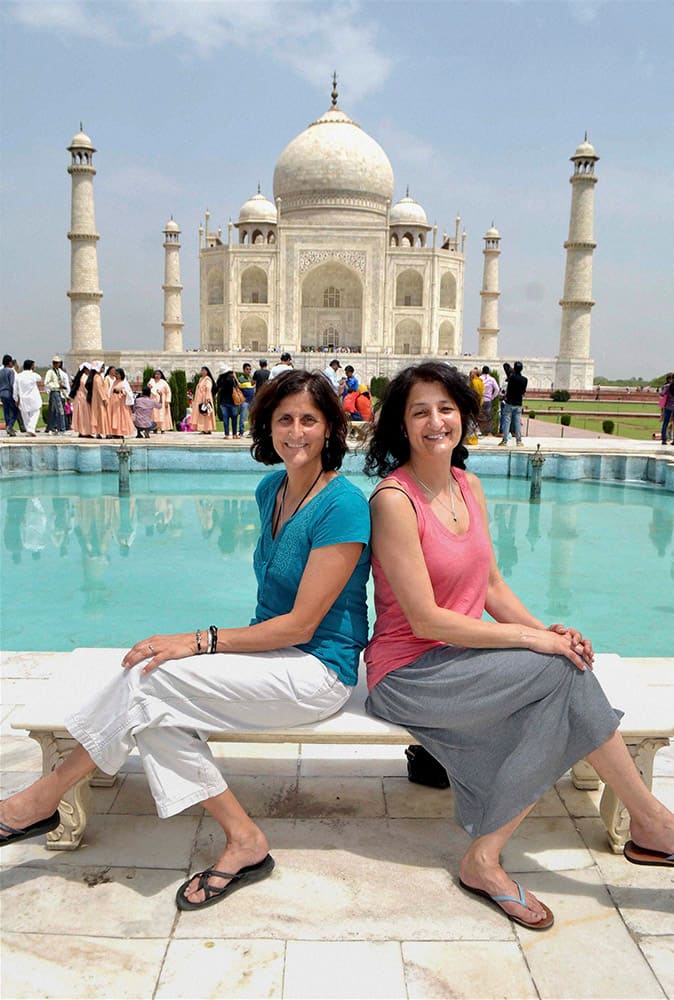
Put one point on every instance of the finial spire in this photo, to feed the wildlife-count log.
(334, 89)
(585, 135)
(407, 191)
(258, 187)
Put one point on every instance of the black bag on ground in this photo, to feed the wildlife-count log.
(424, 769)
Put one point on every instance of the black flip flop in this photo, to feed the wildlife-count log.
(246, 876)
(644, 856)
(541, 925)
(34, 830)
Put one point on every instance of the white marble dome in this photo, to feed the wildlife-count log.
(407, 212)
(585, 149)
(81, 141)
(492, 234)
(333, 159)
(258, 209)
(171, 227)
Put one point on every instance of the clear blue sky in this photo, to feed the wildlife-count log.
(478, 105)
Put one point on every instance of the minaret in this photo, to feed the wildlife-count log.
(85, 296)
(488, 328)
(576, 303)
(173, 313)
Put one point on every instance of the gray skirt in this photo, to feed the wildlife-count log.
(505, 723)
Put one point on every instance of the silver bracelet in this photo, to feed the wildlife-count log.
(197, 636)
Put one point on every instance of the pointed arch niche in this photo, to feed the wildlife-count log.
(332, 300)
(253, 285)
(409, 288)
(408, 337)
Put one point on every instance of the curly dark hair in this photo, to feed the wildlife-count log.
(324, 398)
(389, 448)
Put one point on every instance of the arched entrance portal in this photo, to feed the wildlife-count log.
(332, 308)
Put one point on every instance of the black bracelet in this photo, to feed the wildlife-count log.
(213, 635)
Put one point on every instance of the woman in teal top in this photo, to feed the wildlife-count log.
(295, 663)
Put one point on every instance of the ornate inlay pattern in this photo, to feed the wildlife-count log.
(352, 258)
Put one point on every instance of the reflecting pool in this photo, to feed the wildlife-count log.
(82, 566)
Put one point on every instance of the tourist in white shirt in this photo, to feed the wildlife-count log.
(284, 365)
(57, 384)
(27, 396)
(491, 391)
(330, 373)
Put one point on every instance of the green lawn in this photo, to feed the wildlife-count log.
(638, 430)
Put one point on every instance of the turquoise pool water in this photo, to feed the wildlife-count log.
(82, 566)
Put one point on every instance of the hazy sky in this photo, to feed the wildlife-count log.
(478, 105)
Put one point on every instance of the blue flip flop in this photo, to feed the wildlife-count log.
(213, 894)
(540, 925)
(34, 830)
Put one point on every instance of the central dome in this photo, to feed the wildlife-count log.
(333, 163)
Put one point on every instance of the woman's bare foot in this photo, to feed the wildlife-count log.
(655, 832)
(239, 853)
(493, 880)
(25, 808)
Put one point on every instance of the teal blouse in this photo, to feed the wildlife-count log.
(339, 513)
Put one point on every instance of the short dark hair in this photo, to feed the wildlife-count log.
(348, 368)
(485, 369)
(518, 366)
(268, 398)
(7, 359)
(285, 356)
(389, 447)
(28, 364)
(262, 363)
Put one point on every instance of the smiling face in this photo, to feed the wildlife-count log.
(432, 420)
(298, 430)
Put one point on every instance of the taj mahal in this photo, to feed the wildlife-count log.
(333, 263)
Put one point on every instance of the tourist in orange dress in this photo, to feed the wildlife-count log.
(161, 391)
(204, 422)
(121, 401)
(81, 419)
(100, 404)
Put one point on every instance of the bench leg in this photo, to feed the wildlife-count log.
(99, 779)
(75, 806)
(613, 812)
(584, 777)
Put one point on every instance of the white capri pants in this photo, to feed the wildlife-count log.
(168, 714)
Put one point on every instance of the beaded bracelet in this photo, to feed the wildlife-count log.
(213, 639)
(197, 636)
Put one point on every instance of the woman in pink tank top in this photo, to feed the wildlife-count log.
(505, 704)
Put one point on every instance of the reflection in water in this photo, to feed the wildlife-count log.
(160, 559)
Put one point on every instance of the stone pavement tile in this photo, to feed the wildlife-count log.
(364, 879)
(133, 797)
(14, 781)
(577, 802)
(142, 841)
(368, 760)
(320, 798)
(344, 970)
(70, 968)
(405, 799)
(102, 798)
(270, 796)
(645, 896)
(549, 805)
(20, 753)
(548, 843)
(91, 900)
(437, 970)
(589, 953)
(659, 952)
(235, 969)
(280, 759)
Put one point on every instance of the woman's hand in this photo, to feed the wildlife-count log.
(576, 640)
(568, 643)
(160, 648)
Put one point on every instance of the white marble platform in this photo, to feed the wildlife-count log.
(363, 902)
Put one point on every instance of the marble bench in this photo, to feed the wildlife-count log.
(648, 725)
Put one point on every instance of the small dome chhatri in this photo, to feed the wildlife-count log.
(81, 141)
(258, 209)
(407, 212)
(171, 226)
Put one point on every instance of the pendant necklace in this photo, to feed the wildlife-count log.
(279, 513)
(451, 509)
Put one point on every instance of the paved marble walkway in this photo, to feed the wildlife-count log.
(363, 902)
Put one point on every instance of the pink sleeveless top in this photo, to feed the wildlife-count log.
(458, 566)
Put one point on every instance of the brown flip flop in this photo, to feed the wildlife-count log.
(644, 856)
(541, 925)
